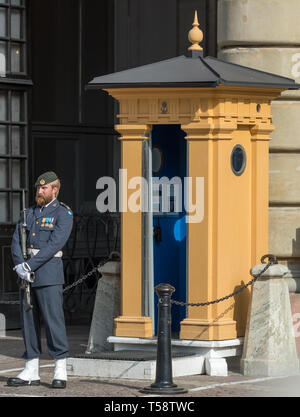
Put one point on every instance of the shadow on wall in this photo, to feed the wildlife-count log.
(294, 266)
(241, 305)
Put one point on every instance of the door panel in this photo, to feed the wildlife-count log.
(170, 252)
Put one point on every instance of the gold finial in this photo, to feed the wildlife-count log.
(195, 35)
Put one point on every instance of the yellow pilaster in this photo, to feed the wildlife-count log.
(207, 144)
(131, 323)
(233, 234)
(260, 137)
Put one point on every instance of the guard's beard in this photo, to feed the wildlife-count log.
(42, 201)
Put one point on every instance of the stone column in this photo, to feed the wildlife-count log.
(107, 307)
(265, 35)
(131, 322)
(269, 346)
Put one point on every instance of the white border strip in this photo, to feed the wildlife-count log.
(247, 381)
(20, 395)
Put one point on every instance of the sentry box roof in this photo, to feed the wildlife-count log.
(191, 71)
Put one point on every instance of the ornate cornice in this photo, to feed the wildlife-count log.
(238, 106)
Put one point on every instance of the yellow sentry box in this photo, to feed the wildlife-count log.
(224, 109)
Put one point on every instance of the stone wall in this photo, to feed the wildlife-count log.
(265, 34)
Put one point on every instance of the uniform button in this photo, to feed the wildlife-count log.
(37, 222)
(33, 234)
(31, 246)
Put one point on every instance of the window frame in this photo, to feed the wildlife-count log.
(10, 156)
(15, 82)
(9, 40)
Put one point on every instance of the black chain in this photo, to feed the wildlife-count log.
(272, 260)
(112, 256)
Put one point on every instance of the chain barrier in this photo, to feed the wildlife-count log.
(116, 256)
(272, 261)
(94, 237)
(112, 256)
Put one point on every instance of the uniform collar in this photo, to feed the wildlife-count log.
(47, 209)
(50, 203)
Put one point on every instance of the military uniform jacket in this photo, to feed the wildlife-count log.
(48, 231)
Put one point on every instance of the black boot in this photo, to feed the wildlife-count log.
(18, 382)
(59, 383)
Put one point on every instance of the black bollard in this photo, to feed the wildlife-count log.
(164, 380)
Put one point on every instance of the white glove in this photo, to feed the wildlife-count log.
(23, 270)
(27, 277)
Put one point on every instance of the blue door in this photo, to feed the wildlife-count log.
(169, 245)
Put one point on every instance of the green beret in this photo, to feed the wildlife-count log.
(46, 178)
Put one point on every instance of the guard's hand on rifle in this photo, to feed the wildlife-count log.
(23, 270)
(28, 277)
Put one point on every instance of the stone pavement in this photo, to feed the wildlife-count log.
(234, 385)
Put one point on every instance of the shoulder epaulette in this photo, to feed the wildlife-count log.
(66, 207)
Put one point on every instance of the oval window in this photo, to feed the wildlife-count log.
(238, 160)
(157, 159)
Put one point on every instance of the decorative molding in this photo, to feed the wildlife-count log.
(133, 132)
(133, 326)
(215, 130)
(261, 131)
(147, 106)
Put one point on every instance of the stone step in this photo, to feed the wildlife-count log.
(122, 365)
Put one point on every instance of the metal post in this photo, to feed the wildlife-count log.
(164, 382)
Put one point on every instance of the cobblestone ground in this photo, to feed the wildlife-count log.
(117, 392)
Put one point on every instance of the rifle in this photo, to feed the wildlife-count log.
(23, 241)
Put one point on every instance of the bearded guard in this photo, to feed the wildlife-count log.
(49, 224)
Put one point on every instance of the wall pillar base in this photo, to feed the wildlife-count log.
(195, 329)
(126, 326)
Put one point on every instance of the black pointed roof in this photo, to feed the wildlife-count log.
(192, 70)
